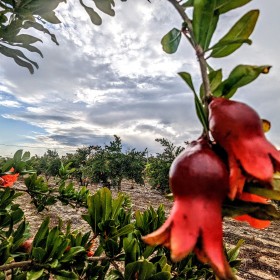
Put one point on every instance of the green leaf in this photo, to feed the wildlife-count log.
(270, 194)
(143, 270)
(26, 39)
(226, 43)
(116, 206)
(188, 79)
(94, 16)
(124, 230)
(132, 249)
(205, 20)
(51, 17)
(26, 156)
(198, 105)
(42, 232)
(242, 29)
(106, 203)
(240, 76)
(34, 275)
(105, 6)
(257, 210)
(215, 78)
(19, 58)
(18, 155)
(223, 6)
(39, 27)
(74, 251)
(38, 254)
(171, 41)
(233, 253)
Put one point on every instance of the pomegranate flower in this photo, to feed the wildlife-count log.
(238, 129)
(9, 179)
(199, 181)
(253, 222)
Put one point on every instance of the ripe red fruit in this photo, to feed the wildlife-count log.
(199, 182)
(238, 129)
(26, 246)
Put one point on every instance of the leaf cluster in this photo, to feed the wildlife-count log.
(114, 240)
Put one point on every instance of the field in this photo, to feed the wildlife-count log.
(260, 253)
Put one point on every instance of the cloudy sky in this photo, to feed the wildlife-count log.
(115, 79)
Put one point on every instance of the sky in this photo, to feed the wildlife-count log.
(115, 79)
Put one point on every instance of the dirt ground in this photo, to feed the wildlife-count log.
(260, 253)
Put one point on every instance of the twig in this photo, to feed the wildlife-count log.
(198, 49)
(15, 265)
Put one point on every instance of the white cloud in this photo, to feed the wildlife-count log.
(10, 103)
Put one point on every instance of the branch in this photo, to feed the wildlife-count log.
(204, 73)
(198, 49)
(15, 265)
(186, 19)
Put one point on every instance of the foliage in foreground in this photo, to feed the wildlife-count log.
(114, 241)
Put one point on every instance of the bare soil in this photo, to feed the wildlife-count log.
(260, 253)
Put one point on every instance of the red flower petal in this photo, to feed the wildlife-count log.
(236, 178)
(253, 222)
(9, 179)
(256, 223)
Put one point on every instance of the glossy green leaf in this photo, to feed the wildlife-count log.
(205, 20)
(242, 29)
(233, 253)
(143, 270)
(227, 43)
(131, 249)
(124, 231)
(171, 41)
(198, 105)
(34, 275)
(42, 232)
(73, 252)
(188, 79)
(270, 194)
(257, 210)
(240, 76)
(223, 6)
(38, 254)
(215, 79)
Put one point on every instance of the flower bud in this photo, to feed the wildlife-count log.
(238, 129)
(199, 182)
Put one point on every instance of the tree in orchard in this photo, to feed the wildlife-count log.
(229, 170)
(232, 152)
